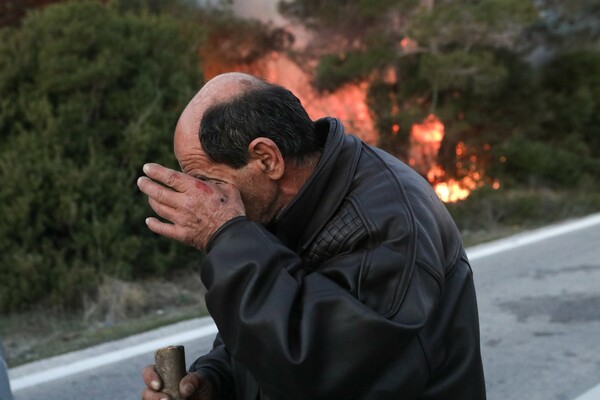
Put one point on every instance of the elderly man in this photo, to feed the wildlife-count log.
(332, 269)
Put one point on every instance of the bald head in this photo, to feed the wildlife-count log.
(226, 86)
(233, 109)
(219, 89)
(255, 135)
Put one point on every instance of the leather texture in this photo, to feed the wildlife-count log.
(345, 227)
(360, 290)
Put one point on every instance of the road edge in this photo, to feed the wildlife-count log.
(78, 361)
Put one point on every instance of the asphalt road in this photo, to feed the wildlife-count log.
(539, 303)
(540, 317)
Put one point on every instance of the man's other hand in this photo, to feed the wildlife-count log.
(193, 386)
(195, 208)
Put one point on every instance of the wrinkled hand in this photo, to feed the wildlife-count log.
(195, 208)
(193, 386)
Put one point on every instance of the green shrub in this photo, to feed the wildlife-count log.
(87, 95)
(335, 70)
(488, 210)
(544, 163)
(571, 84)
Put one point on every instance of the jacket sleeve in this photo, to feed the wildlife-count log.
(216, 367)
(304, 335)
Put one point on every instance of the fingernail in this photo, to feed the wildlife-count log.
(155, 385)
(147, 221)
(188, 389)
(145, 168)
(139, 180)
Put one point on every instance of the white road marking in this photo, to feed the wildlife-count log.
(523, 239)
(498, 246)
(474, 253)
(592, 394)
(109, 358)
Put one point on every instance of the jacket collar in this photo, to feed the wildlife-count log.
(323, 192)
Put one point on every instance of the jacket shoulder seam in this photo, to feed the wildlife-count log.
(402, 286)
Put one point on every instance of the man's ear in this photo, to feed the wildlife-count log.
(265, 155)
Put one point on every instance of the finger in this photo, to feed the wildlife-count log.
(164, 229)
(160, 193)
(195, 384)
(148, 394)
(163, 210)
(173, 179)
(151, 378)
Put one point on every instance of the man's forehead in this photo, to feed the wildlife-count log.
(217, 90)
(189, 122)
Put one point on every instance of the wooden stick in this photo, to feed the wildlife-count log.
(170, 365)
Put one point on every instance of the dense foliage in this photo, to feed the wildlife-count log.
(88, 93)
(517, 76)
(91, 90)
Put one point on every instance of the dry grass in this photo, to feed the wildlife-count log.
(120, 309)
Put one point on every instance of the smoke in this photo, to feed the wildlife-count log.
(295, 71)
(262, 10)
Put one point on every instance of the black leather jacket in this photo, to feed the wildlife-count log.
(360, 290)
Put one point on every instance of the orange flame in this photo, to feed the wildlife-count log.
(349, 104)
(425, 140)
(408, 45)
